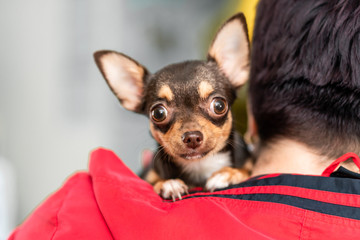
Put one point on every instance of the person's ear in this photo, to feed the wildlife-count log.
(251, 136)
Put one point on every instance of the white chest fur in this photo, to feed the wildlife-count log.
(200, 171)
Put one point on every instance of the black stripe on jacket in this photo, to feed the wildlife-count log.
(331, 184)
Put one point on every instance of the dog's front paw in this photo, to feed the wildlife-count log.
(225, 177)
(172, 188)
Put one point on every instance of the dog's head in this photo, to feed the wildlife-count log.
(188, 103)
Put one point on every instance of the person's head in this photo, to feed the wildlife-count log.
(305, 76)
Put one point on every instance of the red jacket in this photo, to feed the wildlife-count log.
(111, 202)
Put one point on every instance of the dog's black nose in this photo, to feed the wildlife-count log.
(192, 139)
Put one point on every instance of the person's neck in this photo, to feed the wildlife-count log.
(288, 156)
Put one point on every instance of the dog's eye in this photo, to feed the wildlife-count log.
(218, 106)
(159, 113)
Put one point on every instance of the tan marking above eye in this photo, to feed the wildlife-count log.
(205, 89)
(165, 92)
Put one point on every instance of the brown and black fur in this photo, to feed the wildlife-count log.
(184, 78)
(195, 97)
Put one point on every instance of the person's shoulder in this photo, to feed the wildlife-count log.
(74, 205)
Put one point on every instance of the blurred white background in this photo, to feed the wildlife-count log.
(55, 106)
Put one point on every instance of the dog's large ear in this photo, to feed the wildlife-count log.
(124, 76)
(231, 50)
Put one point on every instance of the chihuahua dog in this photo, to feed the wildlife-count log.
(188, 104)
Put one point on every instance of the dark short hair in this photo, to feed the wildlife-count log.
(305, 76)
